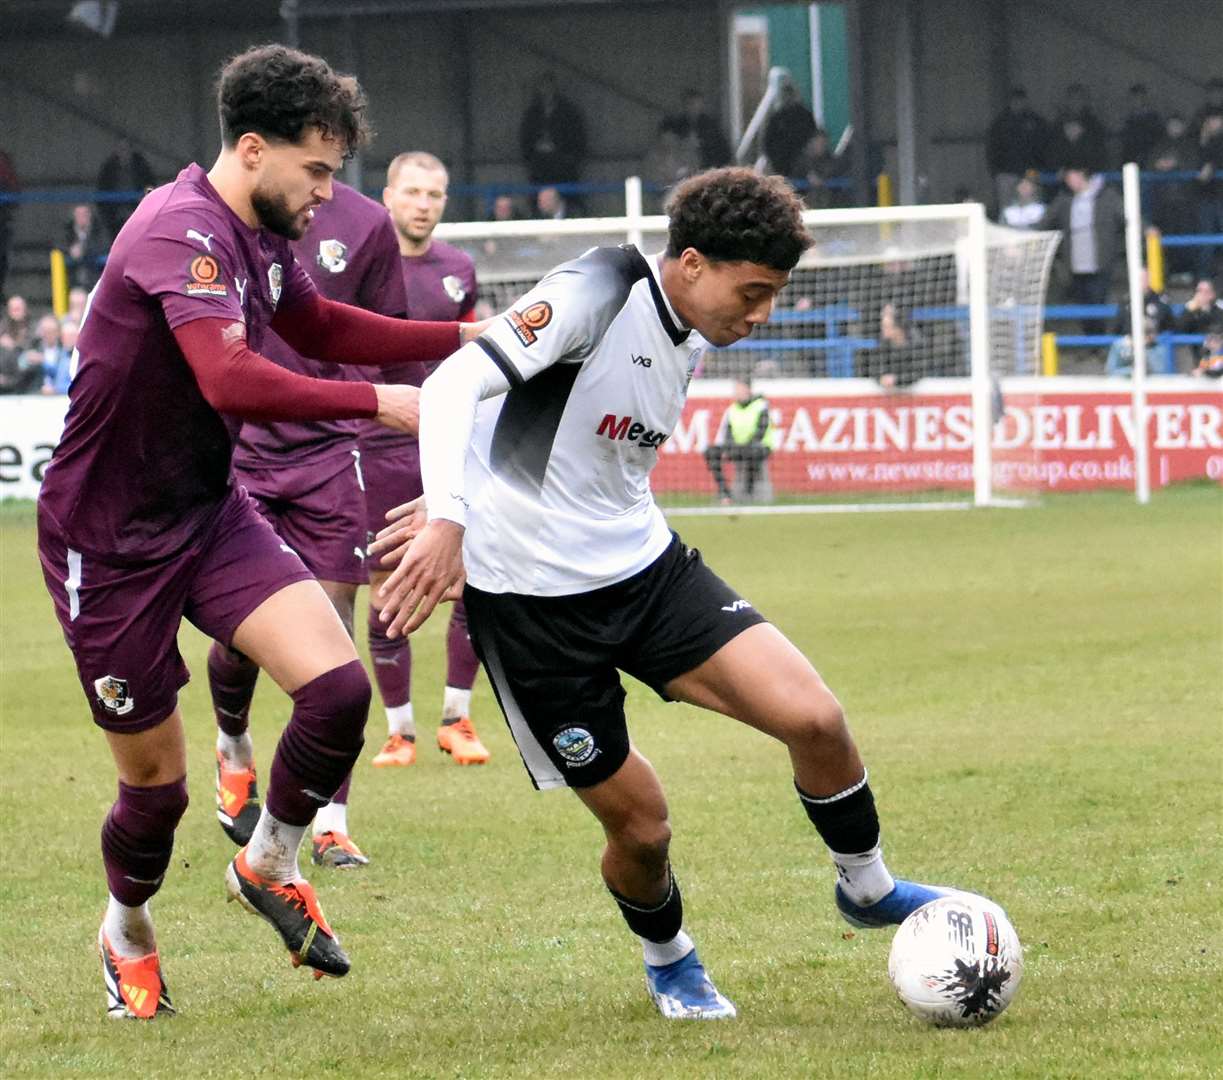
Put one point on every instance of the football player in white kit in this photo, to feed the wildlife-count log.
(537, 442)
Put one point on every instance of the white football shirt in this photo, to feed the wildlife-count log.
(591, 372)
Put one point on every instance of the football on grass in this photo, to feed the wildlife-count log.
(957, 961)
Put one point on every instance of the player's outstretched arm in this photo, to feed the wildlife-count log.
(236, 380)
(343, 334)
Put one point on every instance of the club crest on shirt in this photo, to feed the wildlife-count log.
(276, 279)
(526, 322)
(204, 277)
(113, 695)
(454, 288)
(331, 256)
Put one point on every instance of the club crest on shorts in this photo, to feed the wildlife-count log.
(331, 256)
(576, 745)
(454, 288)
(113, 695)
(276, 280)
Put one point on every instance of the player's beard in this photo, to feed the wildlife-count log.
(275, 214)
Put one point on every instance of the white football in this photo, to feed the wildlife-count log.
(957, 961)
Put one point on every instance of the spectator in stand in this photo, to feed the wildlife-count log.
(126, 169)
(23, 368)
(1210, 107)
(84, 247)
(1203, 314)
(1210, 188)
(1155, 306)
(550, 205)
(673, 157)
(58, 381)
(46, 356)
(1091, 218)
(1078, 137)
(787, 131)
(1017, 143)
(505, 208)
(552, 135)
(77, 299)
(9, 185)
(817, 164)
(697, 123)
(1120, 362)
(1026, 209)
(745, 437)
(1203, 311)
(15, 327)
(1173, 206)
(1142, 129)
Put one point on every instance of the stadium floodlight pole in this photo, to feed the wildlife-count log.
(1138, 332)
(633, 210)
(979, 356)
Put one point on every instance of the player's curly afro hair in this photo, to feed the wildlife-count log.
(280, 93)
(737, 215)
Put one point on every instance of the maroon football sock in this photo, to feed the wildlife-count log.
(461, 662)
(138, 838)
(321, 743)
(392, 663)
(231, 678)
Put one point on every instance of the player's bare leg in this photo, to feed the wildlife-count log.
(137, 840)
(632, 809)
(297, 637)
(761, 678)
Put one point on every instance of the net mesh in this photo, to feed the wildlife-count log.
(865, 361)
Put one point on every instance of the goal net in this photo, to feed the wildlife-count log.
(887, 365)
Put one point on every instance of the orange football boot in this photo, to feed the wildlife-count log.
(461, 742)
(135, 989)
(397, 750)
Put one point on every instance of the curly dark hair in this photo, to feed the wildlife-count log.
(279, 93)
(737, 215)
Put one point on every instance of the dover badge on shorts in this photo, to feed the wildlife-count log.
(113, 695)
(331, 256)
(576, 745)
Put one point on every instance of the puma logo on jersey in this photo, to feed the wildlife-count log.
(193, 234)
(738, 605)
(630, 430)
(643, 361)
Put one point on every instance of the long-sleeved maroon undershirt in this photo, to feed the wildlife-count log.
(237, 380)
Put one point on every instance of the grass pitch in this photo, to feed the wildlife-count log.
(1037, 694)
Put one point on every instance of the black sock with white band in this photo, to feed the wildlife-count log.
(849, 824)
(660, 926)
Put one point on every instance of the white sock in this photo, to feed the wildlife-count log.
(456, 703)
(332, 818)
(272, 852)
(864, 878)
(129, 929)
(399, 721)
(237, 750)
(667, 952)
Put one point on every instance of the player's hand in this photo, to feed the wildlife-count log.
(398, 407)
(469, 331)
(430, 571)
(406, 520)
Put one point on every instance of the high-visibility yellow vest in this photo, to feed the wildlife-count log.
(744, 419)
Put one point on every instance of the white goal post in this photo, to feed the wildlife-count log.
(887, 301)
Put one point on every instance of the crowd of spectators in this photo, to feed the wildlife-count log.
(1046, 174)
(36, 353)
